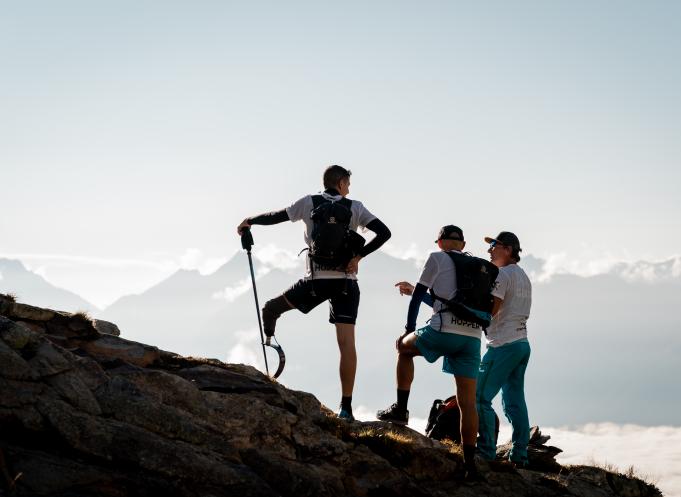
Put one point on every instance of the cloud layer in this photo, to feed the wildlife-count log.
(653, 451)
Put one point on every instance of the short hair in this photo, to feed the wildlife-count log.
(333, 175)
(515, 253)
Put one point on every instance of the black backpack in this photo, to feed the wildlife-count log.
(332, 242)
(444, 421)
(473, 299)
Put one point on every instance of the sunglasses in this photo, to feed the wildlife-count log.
(494, 243)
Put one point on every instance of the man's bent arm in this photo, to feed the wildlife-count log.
(382, 235)
(416, 298)
(268, 218)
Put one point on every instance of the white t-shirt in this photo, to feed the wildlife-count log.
(302, 210)
(510, 324)
(439, 274)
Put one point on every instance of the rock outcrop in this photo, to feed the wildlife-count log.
(84, 412)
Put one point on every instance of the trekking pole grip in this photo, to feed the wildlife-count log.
(247, 239)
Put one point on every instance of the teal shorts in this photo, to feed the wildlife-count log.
(461, 353)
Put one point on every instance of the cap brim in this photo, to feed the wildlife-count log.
(489, 239)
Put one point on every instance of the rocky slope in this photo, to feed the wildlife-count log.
(84, 412)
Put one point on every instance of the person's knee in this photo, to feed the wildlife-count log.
(407, 346)
(345, 334)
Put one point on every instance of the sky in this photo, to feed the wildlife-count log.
(136, 135)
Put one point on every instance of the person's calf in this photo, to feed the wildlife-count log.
(345, 334)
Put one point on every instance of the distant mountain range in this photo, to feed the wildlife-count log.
(33, 288)
(604, 348)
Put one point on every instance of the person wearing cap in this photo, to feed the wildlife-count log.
(508, 351)
(458, 341)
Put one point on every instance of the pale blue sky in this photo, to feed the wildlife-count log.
(138, 130)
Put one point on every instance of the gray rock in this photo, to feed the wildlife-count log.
(12, 365)
(24, 311)
(106, 328)
(109, 348)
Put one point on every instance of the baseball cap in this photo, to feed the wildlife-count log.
(450, 232)
(505, 238)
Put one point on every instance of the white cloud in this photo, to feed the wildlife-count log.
(246, 349)
(275, 257)
(41, 271)
(32, 261)
(194, 258)
(0, 276)
(249, 350)
(629, 270)
(85, 275)
(230, 293)
(653, 451)
(411, 252)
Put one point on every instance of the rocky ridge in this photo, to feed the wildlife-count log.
(84, 412)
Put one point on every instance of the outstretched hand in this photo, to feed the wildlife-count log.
(405, 287)
(244, 224)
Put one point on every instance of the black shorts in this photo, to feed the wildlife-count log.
(342, 294)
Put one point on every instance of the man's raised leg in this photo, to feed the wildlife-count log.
(272, 310)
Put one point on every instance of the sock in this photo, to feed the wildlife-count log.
(402, 399)
(469, 455)
(346, 403)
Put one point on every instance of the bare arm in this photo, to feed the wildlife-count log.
(496, 307)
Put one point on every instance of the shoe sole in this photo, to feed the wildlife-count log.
(395, 422)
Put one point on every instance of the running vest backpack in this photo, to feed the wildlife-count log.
(444, 421)
(330, 240)
(473, 299)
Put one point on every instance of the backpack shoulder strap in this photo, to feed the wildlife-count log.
(456, 256)
(318, 200)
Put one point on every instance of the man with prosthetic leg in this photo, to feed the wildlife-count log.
(335, 249)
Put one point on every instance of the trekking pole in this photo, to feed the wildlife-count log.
(246, 244)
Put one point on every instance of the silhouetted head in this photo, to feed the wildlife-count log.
(338, 178)
(450, 237)
(504, 249)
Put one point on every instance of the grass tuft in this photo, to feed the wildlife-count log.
(11, 296)
(630, 472)
(82, 315)
(452, 446)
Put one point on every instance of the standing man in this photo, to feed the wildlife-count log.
(508, 351)
(331, 221)
(446, 335)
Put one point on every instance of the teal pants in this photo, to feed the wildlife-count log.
(503, 368)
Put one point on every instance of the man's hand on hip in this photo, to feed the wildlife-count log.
(353, 265)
